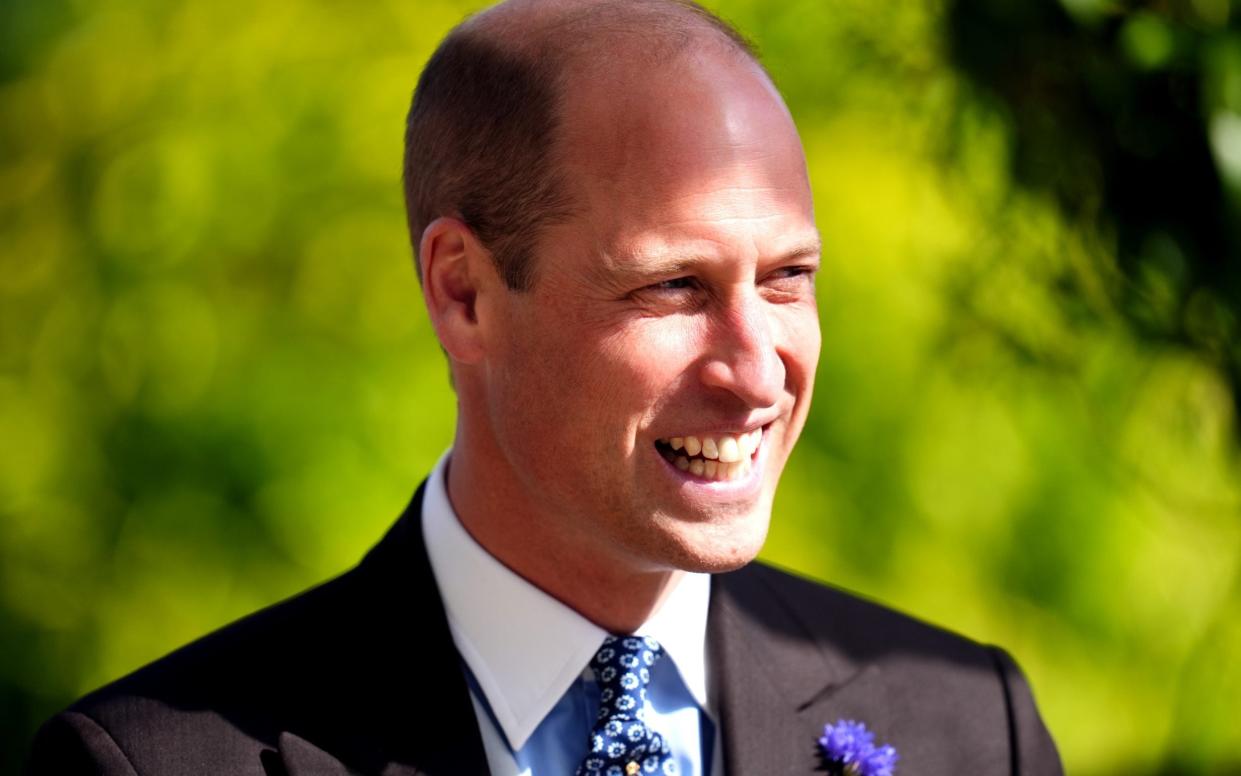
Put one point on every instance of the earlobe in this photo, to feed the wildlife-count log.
(453, 268)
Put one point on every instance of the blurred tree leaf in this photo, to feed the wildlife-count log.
(1126, 114)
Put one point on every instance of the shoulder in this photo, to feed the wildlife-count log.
(220, 699)
(943, 694)
(863, 629)
(335, 664)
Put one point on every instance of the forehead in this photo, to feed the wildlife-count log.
(699, 149)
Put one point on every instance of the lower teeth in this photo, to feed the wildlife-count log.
(709, 469)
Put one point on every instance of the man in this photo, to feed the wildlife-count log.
(616, 243)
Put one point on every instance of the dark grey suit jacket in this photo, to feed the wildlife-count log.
(360, 675)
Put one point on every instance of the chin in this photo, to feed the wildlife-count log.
(715, 549)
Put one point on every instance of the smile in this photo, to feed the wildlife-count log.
(722, 457)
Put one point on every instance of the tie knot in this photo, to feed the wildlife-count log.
(623, 664)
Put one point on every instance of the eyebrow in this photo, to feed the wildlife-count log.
(803, 250)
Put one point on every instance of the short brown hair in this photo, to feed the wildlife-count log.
(480, 138)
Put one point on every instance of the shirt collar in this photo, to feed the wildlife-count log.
(526, 648)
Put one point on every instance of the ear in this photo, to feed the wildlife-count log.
(456, 270)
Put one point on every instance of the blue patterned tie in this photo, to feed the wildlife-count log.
(621, 744)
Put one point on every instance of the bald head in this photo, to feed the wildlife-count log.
(484, 140)
(578, 31)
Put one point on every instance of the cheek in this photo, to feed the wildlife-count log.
(566, 382)
(603, 376)
(800, 342)
(650, 357)
(530, 390)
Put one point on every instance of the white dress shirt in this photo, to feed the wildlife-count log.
(526, 650)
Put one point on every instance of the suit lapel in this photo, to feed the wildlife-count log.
(301, 758)
(404, 706)
(775, 685)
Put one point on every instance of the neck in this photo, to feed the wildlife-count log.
(598, 582)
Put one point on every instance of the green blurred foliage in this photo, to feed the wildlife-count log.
(1129, 115)
(217, 384)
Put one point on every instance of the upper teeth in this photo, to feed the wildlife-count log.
(725, 448)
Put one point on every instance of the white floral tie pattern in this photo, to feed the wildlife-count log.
(621, 744)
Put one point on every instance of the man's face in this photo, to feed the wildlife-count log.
(672, 323)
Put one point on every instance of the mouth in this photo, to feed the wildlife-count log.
(713, 457)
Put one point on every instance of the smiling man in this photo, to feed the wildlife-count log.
(665, 321)
(616, 242)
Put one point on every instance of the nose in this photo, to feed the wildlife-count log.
(742, 352)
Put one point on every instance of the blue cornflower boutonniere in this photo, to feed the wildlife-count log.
(850, 751)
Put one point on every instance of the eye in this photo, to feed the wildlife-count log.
(675, 284)
(679, 294)
(795, 271)
(794, 281)
(799, 273)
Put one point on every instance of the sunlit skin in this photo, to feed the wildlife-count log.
(678, 300)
